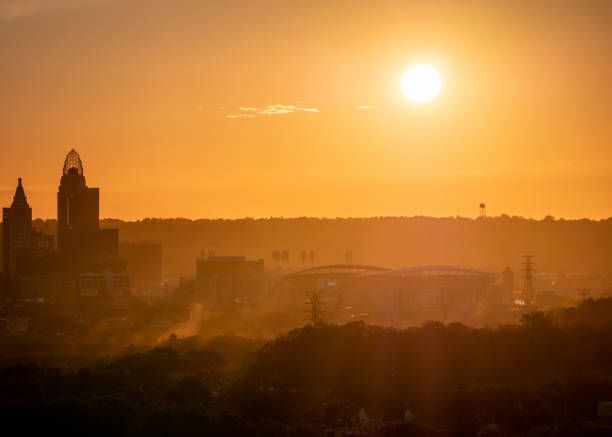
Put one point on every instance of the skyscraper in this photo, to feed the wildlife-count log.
(17, 233)
(81, 242)
(77, 205)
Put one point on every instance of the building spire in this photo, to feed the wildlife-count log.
(72, 163)
(19, 199)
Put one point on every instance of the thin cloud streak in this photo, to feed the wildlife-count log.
(240, 116)
(365, 107)
(294, 108)
(273, 110)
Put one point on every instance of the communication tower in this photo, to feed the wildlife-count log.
(528, 271)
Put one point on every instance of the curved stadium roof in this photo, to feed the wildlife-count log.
(372, 271)
(337, 269)
(435, 270)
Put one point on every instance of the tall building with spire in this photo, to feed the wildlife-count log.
(16, 233)
(81, 242)
(77, 205)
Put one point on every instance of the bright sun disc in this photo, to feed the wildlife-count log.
(421, 83)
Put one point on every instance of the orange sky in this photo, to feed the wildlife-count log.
(143, 90)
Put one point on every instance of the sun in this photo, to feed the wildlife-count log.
(421, 83)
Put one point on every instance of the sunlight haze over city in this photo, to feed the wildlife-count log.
(280, 108)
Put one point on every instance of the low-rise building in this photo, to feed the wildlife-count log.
(230, 280)
(104, 284)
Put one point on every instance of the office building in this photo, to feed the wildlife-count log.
(229, 280)
(81, 243)
(144, 262)
(16, 234)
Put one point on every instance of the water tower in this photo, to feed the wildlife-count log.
(482, 211)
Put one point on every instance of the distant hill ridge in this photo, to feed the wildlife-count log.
(490, 243)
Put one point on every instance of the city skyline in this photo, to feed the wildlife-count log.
(236, 109)
(47, 203)
(306, 218)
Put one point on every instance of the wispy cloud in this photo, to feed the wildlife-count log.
(240, 116)
(365, 107)
(292, 108)
(275, 110)
(279, 109)
(12, 9)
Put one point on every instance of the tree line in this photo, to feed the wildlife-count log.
(543, 377)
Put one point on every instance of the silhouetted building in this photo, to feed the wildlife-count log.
(77, 204)
(507, 286)
(547, 299)
(41, 243)
(104, 284)
(81, 242)
(230, 280)
(25, 251)
(144, 262)
(51, 286)
(17, 233)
